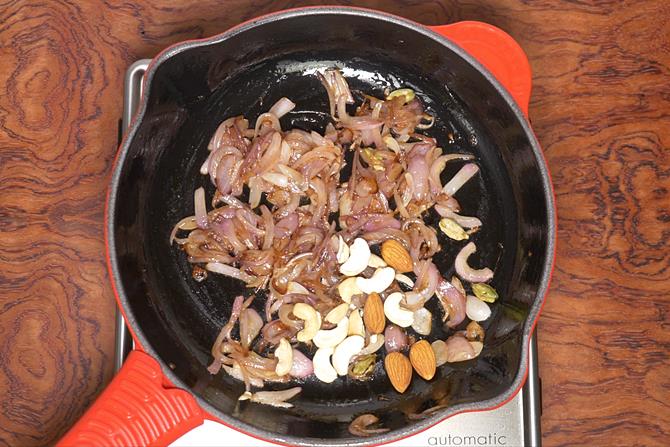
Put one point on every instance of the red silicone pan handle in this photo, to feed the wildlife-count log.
(498, 52)
(136, 409)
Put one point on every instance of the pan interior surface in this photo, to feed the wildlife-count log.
(191, 90)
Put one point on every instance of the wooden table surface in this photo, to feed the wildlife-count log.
(600, 108)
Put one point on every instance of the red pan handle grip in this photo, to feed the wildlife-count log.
(498, 52)
(136, 409)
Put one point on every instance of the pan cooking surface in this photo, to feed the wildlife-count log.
(206, 306)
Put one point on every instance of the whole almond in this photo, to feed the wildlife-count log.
(422, 356)
(399, 370)
(373, 314)
(396, 256)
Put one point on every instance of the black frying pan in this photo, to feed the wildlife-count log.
(164, 389)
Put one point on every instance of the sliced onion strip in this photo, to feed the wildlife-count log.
(282, 107)
(200, 208)
(227, 270)
(465, 271)
(461, 177)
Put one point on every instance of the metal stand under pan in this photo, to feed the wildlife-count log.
(515, 424)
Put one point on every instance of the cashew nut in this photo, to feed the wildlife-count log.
(356, 326)
(347, 289)
(376, 342)
(343, 353)
(402, 278)
(323, 369)
(284, 354)
(311, 318)
(296, 287)
(332, 337)
(375, 261)
(423, 321)
(381, 279)
(342, 250)
(394, 313)
(337, 313)
(359, 254)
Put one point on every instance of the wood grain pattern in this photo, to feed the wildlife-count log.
(600, 108)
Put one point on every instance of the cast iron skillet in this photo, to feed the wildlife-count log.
(190, 88)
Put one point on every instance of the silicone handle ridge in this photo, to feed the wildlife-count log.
(136, 409)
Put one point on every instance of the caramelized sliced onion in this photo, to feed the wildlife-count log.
(236, 372)
(224, 334)
(461, 177)
(363, 426)
(425, 287)
(464, 221)
(395, 338)
(459, 349)
(250, 326)
(267, 117)
(282, 107)
(302, 365)
(227, 270)
(274, 331)
(465, 271)
(186, 224)
(453, 303)
(272, 398)
(474, 332)
(200, 207)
